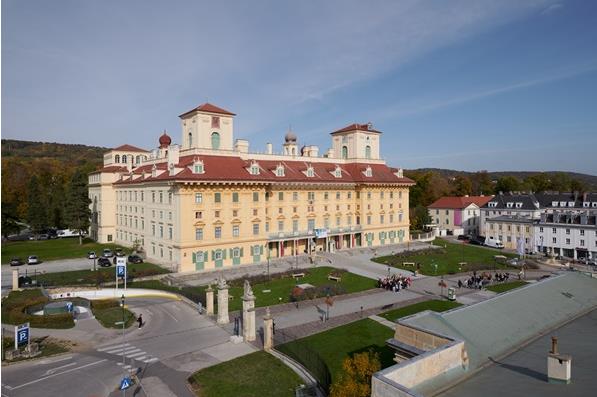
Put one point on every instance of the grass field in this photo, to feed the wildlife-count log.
(47, 250)
(255, 375)
(447, 259)
(282, 288)
(110, 315)
(435, 305)
(104, 274)
(338, 343)
(48, 346)
(499, 288)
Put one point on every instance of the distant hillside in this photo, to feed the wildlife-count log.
(590, 181)
(69, 153)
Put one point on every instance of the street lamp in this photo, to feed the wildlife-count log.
(123, 338)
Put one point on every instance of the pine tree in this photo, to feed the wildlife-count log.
(37, 216)
(76, 212)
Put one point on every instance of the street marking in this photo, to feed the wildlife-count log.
(59, 373)
(151, 360)
(141, 358)
(127, 353)
(174, 318)
(51, 371)
(7, 387)
(110, 347)
(135, 355)
(120, 350)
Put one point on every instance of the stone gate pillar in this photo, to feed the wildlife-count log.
(223, 317)
(209, 300)
(268, 330)
(248, 313)
(15, 280)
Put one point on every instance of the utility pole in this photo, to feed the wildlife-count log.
(123, 339)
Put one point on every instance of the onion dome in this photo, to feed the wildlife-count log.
(165, 140)
(290, 137)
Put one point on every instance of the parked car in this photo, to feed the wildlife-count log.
(107, 253)
(68, 233)
(32, 260)
(135, 259)
(104, 262)
(16, 262)
(464, 237)
(475, 242)
(91, 255)
(42, 237)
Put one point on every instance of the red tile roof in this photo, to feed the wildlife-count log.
(130, 148)
(208, 107)
(460, 202)
(354, 127)
(233, 168)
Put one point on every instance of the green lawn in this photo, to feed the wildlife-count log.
(15, 304)
(105, 274)
(48, 346)
(338, 343)
(447, 258)
(47, 250)
(109, 316)
(282, 288)
(499, 288)
(255, 375)
(435, 305)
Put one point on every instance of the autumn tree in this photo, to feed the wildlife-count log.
(76, 211)
(482, 183)
(355, 378)
(462, 185)
(507, 184)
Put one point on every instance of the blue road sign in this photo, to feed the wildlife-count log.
(22, 334)
(69, 306)
(120, 271)
(125, 383)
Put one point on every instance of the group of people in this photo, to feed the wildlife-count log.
(394, 282)
(478, 281)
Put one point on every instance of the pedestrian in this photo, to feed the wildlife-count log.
(459, 284)
(140, 320)
(273, 327)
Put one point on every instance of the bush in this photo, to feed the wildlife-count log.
(15, 305)
(104, 304)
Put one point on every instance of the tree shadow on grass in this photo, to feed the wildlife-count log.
(386, 355)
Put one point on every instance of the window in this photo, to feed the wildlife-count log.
(312, 196)
(310, 172)
(295, 196)
(235, 197)
(235, 213)
(198, 169)
(190, 139)
(368, 172)
(326, 223)
(311, 224)
(152, 196)
(280, 196)
(337, 195)
(236, 253)
(215, 140)
(582, 232)
(553, 230)
(255, 229)
(344, 152)
(254, 169)
(170, 233)
(161, 197)
(567, 231)
(216, 214)
(217, 197)
(338, 172)
(218, 232)
(337, 221)
(267, 226)
(280, 226)
(280, 170)
(391, 218)
(198, 198)
(367, 152)
(295, 225)
(255, 212)
(368, 219)
(161, 231)
(368, 195)
(218, 255)
(255, 196)
(567, 241)
(124, 158)
(381, 219)
(582, 243)
(348, 220)
(117, 158)
(153, 229)
(541, 229)
(235, 231)
(381, 195)
(280, 210)
(554, 240)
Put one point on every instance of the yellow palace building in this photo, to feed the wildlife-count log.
(210, 202)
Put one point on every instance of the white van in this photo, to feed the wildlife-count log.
(494, 243)
(67, 233)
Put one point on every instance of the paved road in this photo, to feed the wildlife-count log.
(175, 342)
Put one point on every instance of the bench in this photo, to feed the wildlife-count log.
(408, 264)
(297, 275)
(334, 278)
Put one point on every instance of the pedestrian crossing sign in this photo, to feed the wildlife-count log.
(125, 383)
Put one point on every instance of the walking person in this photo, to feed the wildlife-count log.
(140, 320)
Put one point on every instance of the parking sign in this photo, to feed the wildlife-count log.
(121, 271)
(21, 335)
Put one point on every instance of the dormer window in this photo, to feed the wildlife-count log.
(562, 203)
(368, 172)
(310, 172)
(198, 167)
(509, 205)
(280, 170)
(594, 204)
(586, 204)
(518, 205)
(492, 204)
(570, 203)
(554, 203)
(338, 172)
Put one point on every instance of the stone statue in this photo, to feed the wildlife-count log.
(222, 282)
(248, 290)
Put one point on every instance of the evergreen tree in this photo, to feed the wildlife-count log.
(76, 211)
(482, 183)
(37, 215)
(507, 184)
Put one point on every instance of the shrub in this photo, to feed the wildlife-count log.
(15, 305)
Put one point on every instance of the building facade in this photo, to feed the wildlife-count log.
(510, 229)
(210, 203)
(569, 234)
(457, 215)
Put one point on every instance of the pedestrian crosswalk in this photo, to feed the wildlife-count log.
(129, 351)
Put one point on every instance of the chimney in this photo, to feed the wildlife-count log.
(269, 148)
(241, 146)
(173, 155)
(554, 345)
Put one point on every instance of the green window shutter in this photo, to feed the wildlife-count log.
(194, 258)
(241, 252)
(261, 249)
(224, 254)
(206, 256)
(213, 255)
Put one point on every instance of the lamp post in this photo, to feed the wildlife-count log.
(123, 339)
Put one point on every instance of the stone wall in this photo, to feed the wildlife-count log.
(420, 339)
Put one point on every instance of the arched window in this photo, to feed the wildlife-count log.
(124, 158)
(117, 158)
(190, 140)
(137, 159)
(215, 140)
(344, 152)
(367, 152)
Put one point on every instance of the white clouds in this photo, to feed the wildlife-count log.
(551, 8)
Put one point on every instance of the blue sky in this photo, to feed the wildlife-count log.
(496, 85)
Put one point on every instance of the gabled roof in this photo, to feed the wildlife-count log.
(460, 202)
(130, 148)
(233, 168)
(528, 202)
(208, 107)
(355, 127)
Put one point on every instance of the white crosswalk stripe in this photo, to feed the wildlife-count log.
(129, 351)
